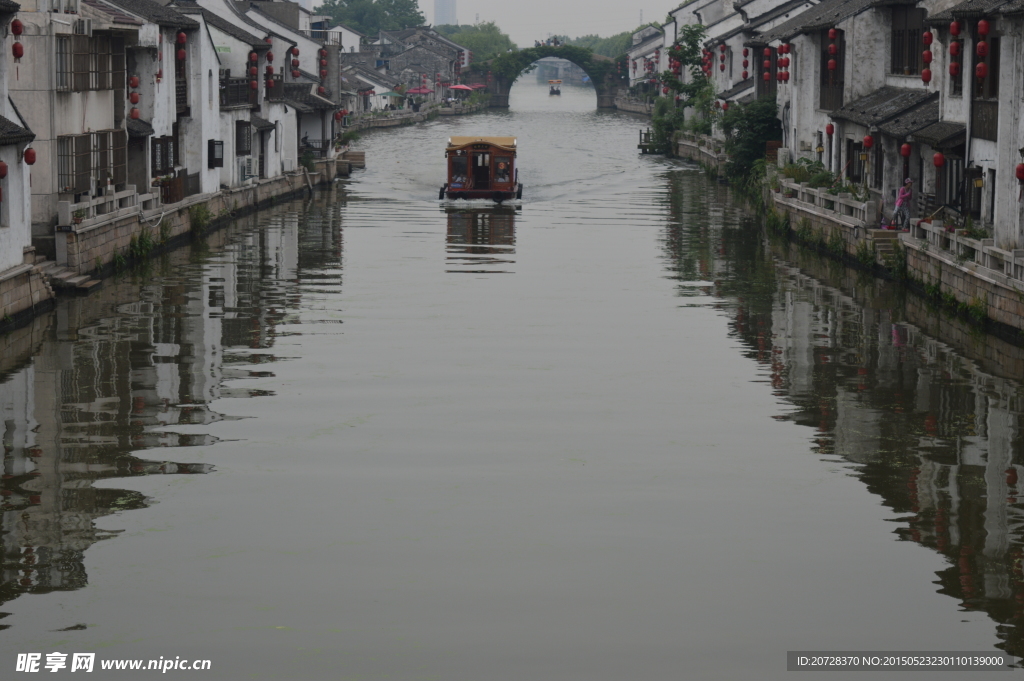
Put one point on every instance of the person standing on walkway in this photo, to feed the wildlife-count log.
(902, 215)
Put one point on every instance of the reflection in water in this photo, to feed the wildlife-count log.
(933, 430)
(88, 387)
(481, 240)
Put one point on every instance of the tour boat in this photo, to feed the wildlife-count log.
(482, 168)
(556, 87)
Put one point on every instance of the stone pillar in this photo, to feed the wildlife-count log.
(499, 101)
(605, 101)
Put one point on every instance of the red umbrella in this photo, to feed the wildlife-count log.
(477, 86)
(461, 87)
(419, 91)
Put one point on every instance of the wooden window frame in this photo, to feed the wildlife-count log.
(905, 41)
(243, 138)
(62, 63)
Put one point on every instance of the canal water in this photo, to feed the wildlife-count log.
(612, 432)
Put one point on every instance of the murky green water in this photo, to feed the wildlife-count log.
(612, 433)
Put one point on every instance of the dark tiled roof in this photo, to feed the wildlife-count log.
(736, 90)
(824, 15)
(303, 92)
(882, 105)
(116, 15)
(139, 128)
(646, 43)
(155, 12)
(942, 135)
(1012, 7)
(298, 106)
(12, 133)
(774, 13)
(912, 120)
(233, 30)
(8, 7)
(969, 9)
(261, 123)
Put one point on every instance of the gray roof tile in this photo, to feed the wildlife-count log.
(882, 105)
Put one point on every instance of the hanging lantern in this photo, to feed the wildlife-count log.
(253, 71)
(321, 90)
(785, 76)
(833, 34)
(1020, 172)
(338, 116)
(784, 62)
(746, 52)
(664, 90)
(927, 37)
(981, 49)
(30, 156)
(833, 49)
(253, 84)
(746, 63)
(981, 71)
(746, 74)
(182, 38)
(134, 98)
(18, 50)
(721, 57)
(721, 67)
(3, 170)
(323, 53)
(938, 159)
(767, 76)
(323, 63)
(926, 76)
(268, 40)
(159, 75)
(295, 51)
(926, 56)
(17, 28)
(954, 28)
(181, 55)
(270, 56)
(954, 49)
(725, 106)
(253, 56)
(133, 82)
(134, 113)
(829, 129)
(295, 63)
(296, 73)
(983, 28)
(766, 64)
(905, 150)
(270, 70)
(270, 82)
(832, 65)
(323, 74)
(868, 141)
(721, 48)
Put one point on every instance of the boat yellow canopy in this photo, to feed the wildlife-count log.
(507, 143)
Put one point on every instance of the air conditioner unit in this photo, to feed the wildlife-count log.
(248, 168)
(83, 27)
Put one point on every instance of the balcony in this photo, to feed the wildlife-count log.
(237, 92)
(322, 37)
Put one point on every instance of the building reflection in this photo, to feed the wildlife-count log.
(86, 390)
(933, 427)
(481, 240)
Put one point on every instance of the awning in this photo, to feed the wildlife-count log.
(941, 135)
(298, 106)
(911, 120)
(261, 123)
(12, 133)
(882, 105)
(139, 128)
(736, 90)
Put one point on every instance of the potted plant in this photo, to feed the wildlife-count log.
(78, 216)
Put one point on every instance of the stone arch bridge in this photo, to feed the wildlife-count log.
(506, 68)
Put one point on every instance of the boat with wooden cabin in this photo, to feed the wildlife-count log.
(555, 87)
(482, 168)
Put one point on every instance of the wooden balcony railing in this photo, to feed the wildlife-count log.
(237, 92)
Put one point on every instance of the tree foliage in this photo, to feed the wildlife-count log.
(747, 129)
(696, 92)
(484, 39)
(510, 65)
(370, 17)
(611, 46)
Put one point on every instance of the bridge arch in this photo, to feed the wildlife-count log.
(506, 68)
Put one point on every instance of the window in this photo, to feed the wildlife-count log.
(164, 151)
(87, 161)
(988, 87)
(831, 81)
(243, 138)
(877, 166)
(63, 61)
(905, 46)
(854, 166)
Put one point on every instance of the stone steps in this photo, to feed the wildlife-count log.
(62, 278)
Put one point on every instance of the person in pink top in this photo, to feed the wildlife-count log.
(903, 196)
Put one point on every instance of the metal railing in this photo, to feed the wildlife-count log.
(322, 37)
(319, 148)
(237, 92)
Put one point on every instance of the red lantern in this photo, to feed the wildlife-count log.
(766, 64)
(927, 37)
(833, 49)
(767, 76)
(926, 56)
(182, 38)
(664, 90)
(134, 98)
(134, 113)
(746, 74)
(323, 74)
(17, 27)
(321, 90)
(905, 150)
(270, 70)
(983, 28)
(30, 156)
(981, 49)
(269, 40)
(938, 159)
(954, 28)
(270, 82)
(3, 170)
(954, 49)
(181, 55)
(18, 50)
(767, 52)
(721, 67)
(270, 56)
(926, 75)
(725, 106)
(295, 52)
(868, 141)
(784, 62)
(954, 69)
(721, 57)
(133, 82)
(746, 63)
(295, 63)
(829, 129)
(253, 71)
(981, 71)
(785, 76)
(832, 65)
(721, 48)
(833, 34)
(746, 52)
(1020, 171)
(323, 53)
(296, 73)
(323, 63)
(254, 85)
(787, 48)
(338, 116)
(253, 56)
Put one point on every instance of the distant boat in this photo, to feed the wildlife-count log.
(555, 87)
(482, 168)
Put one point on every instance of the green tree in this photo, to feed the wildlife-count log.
(484, 40)
(611, 46)
(370, 17)
(747, 128)
(696, 92)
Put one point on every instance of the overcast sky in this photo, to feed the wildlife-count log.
(529, 20)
